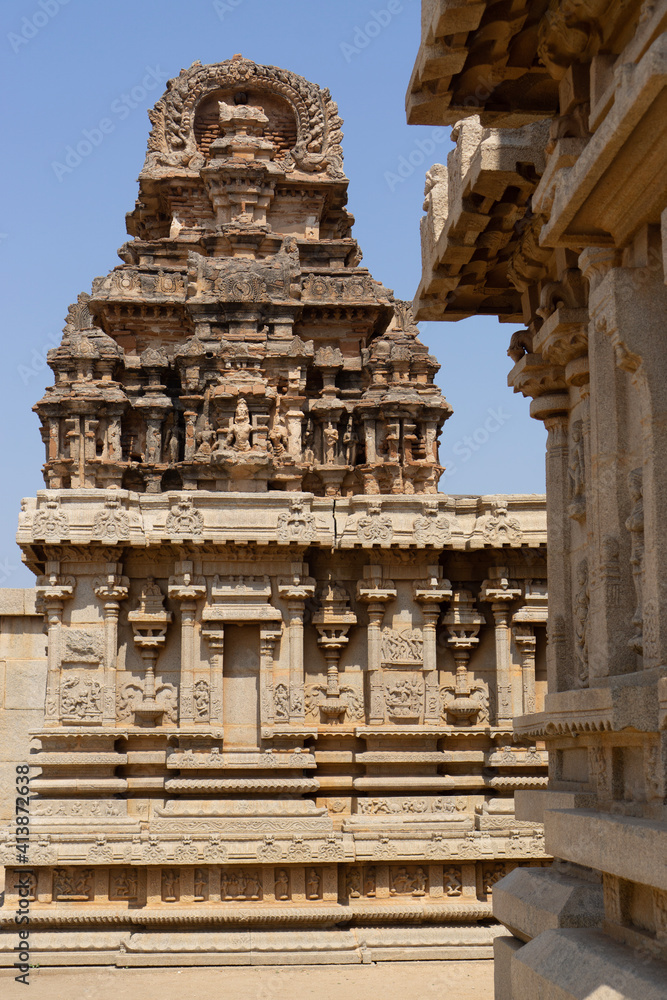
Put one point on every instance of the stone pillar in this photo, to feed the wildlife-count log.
(53, 590)
(524, 639)
(430, 594)
(500, 592)
(268, 637)
(296, 590)
(184, 588)
(111, 591)
(375, 593)
(216, 641)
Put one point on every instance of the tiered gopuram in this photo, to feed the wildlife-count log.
(281, 667)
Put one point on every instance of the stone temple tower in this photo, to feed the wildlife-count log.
(281, 667)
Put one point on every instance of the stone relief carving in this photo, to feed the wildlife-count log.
(100, 850)
(201, 699)
(82, 646)
(407, 880)
(402, 645)
(431, 527)
(610, 570)
(332, 849)
(171, 890)
(577, 473)
(215, 850)
(375, 526)
(112, 524)
(50, 523)
(73, 884)
(492, 874)
(635, 525)
(200, 885)
(298, 850)
(80, 698)
(581, 606)
(124, 884)
(281, 703)
(131, 696)
(269, 850)
(499, 527)
(241, 883)
(452, 882)
(184, 521)
(281, 884)
(351, 699)
(152, 852)
(296, 526)
(404, 697)
(186, 852)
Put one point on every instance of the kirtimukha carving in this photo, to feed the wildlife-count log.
(270, 680)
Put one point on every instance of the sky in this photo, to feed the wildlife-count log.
(77, 79)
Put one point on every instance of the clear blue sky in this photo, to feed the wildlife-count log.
(68, 65)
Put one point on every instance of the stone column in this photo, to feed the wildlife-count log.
(268, 637)
(500, 592)
(429, 594)
(184, 588)
(296, 589)
(524, 639)
(111, 591)
(53, 590)
(375, 593)
(216, 641)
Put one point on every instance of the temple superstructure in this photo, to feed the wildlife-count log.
(281, 668)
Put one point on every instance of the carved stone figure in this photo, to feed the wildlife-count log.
(313, 884)
(581, 606)
(577, 471)
(635, 525)
(240, 429)
(282, 884)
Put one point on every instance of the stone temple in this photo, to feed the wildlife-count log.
(551, 213)
(272, 716)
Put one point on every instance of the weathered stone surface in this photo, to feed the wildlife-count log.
(581, 263)
(280, 667)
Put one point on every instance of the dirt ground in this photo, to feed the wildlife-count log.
(384, 981)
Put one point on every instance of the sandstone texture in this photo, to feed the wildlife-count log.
(272, 713)
(551, 212)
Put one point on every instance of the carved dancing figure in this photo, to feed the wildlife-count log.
(313, 885)
(282, 884)
(352, 883)
(419, 883)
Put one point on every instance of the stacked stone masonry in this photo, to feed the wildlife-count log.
(274, 717)
(552, 212)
